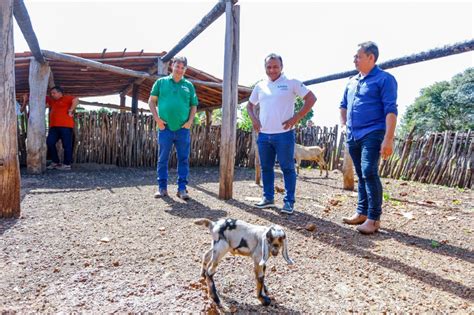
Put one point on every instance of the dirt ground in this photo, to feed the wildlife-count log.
(95, 240)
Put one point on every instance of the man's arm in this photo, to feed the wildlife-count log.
(309, 100)
(253, 117)
(190, 121)
(75, 102)
(387, 144)
(153, 104)
(343, 112)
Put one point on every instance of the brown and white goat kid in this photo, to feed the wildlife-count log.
(313, 153)
(241, 238)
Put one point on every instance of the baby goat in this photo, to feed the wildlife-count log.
(313, 153)
(241, 238)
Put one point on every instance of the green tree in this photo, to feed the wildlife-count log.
(442, 106)
(298, 106)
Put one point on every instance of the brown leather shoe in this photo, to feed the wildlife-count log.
(355, 219)
(369, 227)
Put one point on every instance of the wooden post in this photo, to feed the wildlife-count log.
(51, 82)
(208, 122)
(135, 98)
(229, 101)
(347, 169)
(9, 166)
(122, 103)
(36, 144)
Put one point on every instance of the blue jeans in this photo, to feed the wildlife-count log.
(282, 146)
(182, 140)
(65, 134)
(365, 154)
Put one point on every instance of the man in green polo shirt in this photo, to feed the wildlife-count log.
(176, 101)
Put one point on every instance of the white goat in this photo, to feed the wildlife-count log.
(313, 153)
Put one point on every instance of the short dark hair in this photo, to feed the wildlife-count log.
(57, 88)
(180, 59)
(370, 48)
(273, 56)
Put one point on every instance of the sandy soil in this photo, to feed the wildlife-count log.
(95, 240)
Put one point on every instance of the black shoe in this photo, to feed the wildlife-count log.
(264, 203)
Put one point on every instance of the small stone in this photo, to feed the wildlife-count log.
(116, 264)
(310, 227)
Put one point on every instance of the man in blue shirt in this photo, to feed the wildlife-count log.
(369, 109)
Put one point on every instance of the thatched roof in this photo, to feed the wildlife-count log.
(83, 81)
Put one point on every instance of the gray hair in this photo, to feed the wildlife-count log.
(180, 59)
(273, 56)
(370, 48)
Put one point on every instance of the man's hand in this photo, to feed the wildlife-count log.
(161, 123)
(344, 129)
(288, 124)
(187, 125)
(257, 126)
(387, 148)
(70, 112)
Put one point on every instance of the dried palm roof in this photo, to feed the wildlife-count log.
(82, 81)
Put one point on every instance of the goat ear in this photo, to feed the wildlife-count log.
(285, 253)
(265, 253)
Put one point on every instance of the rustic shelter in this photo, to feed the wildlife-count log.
(133, 75)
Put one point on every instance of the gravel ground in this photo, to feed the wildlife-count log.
(95, 240)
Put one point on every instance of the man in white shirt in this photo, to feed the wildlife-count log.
(275, 127)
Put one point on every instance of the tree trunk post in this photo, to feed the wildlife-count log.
(36, 144)
(347, 169)
(9, 165)
(229, 101)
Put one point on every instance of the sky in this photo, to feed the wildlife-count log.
(315, 38)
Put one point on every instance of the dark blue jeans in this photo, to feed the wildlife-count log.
(281, 146)
(65, 134)
(182, 141)
(365, 154)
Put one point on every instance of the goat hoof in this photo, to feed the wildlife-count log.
(266, 301)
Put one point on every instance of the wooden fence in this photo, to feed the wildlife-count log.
(438, 158)
(129, 140)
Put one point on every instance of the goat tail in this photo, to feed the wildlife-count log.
(206, 222)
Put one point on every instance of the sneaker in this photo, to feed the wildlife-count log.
(161, 193)
(53, 166)
(183, 194)
(265, 203)
(287, 208)
(64, 167)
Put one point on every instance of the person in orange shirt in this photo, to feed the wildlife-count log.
(61, 124)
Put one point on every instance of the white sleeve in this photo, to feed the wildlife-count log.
(299, 88)
(254, 96)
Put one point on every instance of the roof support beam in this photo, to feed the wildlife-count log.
(448, 50)
(111, 106)
(24, 22)
(126, 72)
(207, 20)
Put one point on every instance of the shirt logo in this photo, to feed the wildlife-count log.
(185, 88)
(283, 87)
